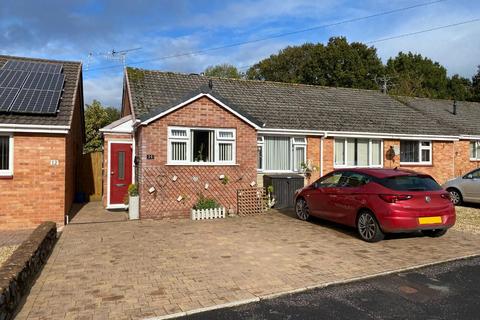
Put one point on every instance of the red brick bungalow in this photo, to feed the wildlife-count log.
(41, 138)
(182, 134)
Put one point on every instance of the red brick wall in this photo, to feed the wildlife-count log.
(192, 179)
(328, 155)
(36, 193)
(463, 164)
(313, 156)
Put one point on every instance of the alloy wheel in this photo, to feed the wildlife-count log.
(456, 197)
(367, 226)
(301, 208)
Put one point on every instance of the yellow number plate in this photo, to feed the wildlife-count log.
(429, 220)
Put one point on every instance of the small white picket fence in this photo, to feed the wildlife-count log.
(205, 214)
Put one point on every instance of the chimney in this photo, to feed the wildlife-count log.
(210, 84)
(454, 107)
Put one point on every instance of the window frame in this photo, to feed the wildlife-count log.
(345, 153)
(293, 145)
(476, 150)
(8, 172)
(420, 149)
(188, 140)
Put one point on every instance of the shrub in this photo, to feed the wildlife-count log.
(205, 203)
(133, 190)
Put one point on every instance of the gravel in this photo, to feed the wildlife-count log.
(468, 219)
(6, 252)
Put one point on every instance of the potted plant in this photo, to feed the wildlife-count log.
(133, 202)
(207, 208)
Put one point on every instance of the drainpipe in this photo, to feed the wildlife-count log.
(321, 152)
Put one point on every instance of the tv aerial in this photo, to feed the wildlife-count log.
(112, 55)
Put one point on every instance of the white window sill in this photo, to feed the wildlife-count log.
(473, 159)
(201, 164)
(415, 163)
(6, 175)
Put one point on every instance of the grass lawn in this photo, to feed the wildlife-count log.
(468, 219)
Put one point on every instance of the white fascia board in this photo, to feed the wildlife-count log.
(469, 137)
(170, 110)
(7, 127)
(391, 136)
(126, 127)
(267, 131)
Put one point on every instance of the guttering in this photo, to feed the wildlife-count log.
(291, 131)
(30, 128)
(469, 137)
(391, 136)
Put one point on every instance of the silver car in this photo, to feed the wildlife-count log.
(465, 188)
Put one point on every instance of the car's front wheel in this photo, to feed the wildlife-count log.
(301, 209)
(368, 227)
(456, 196)
(434, 233)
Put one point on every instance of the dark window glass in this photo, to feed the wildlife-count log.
(353, 180)
(121, 165)
(259, 157)
(4, 153)
(409, 151)
(410, 183)
(202, 141)
(329, 181)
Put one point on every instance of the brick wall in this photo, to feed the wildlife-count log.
(191, 180)
(313, 156)
(36, 192)
(463, 164)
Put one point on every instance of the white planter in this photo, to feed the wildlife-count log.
(208, 214)
(133, 207)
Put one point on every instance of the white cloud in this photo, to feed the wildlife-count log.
(107, 89)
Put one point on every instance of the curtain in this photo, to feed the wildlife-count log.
(339, 152)
(299, 157)
(277, 153)
(409, 151)
(376, 152)
(362, 152)
(351, 152)
(179, 151)
(225, 151)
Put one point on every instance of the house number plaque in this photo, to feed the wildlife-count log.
(150, 156)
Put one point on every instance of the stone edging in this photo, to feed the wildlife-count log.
(21, 268)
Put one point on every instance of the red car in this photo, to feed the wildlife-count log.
(378, 201)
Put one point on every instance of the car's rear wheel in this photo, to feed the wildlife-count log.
(434, 233)
(456, 196)
(368, 227)
(301, 209)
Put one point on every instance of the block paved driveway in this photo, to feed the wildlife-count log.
(140, 269)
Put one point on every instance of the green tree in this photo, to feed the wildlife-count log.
(97, 117)
(476, 86)
(459, 88)
(414, 75)
(339, 64)
(223, 71)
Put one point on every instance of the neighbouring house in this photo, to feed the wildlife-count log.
(41, 139)
(181, 135)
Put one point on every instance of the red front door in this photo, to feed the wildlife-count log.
(120, 171)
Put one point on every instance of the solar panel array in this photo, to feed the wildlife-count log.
(30, 87)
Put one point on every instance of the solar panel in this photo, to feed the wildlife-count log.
(45, 81)
(30, 87)
(11, 81)
(33, 66)
(36, 101)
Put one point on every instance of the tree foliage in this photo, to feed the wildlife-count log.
(97, 117)
(223, 71)
(476, 86)
(339, 64)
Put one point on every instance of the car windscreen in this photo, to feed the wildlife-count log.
(410, 183)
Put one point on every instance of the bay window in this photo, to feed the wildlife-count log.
(201, 146)
(475, 150)
(415, 152)
(357, 152)
(6, 155)
(281, 153)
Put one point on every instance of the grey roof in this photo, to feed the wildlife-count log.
(73, 80)
(466, 121)
(285, 106)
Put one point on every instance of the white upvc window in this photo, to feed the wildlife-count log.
(201, 146)
(358, 152)
(6, 155)
(260, 154)
(281, 153)
(475, 150)
(415, 152)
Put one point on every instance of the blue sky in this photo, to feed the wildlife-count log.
(72, 29)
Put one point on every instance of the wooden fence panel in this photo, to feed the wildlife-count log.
(90, 179)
